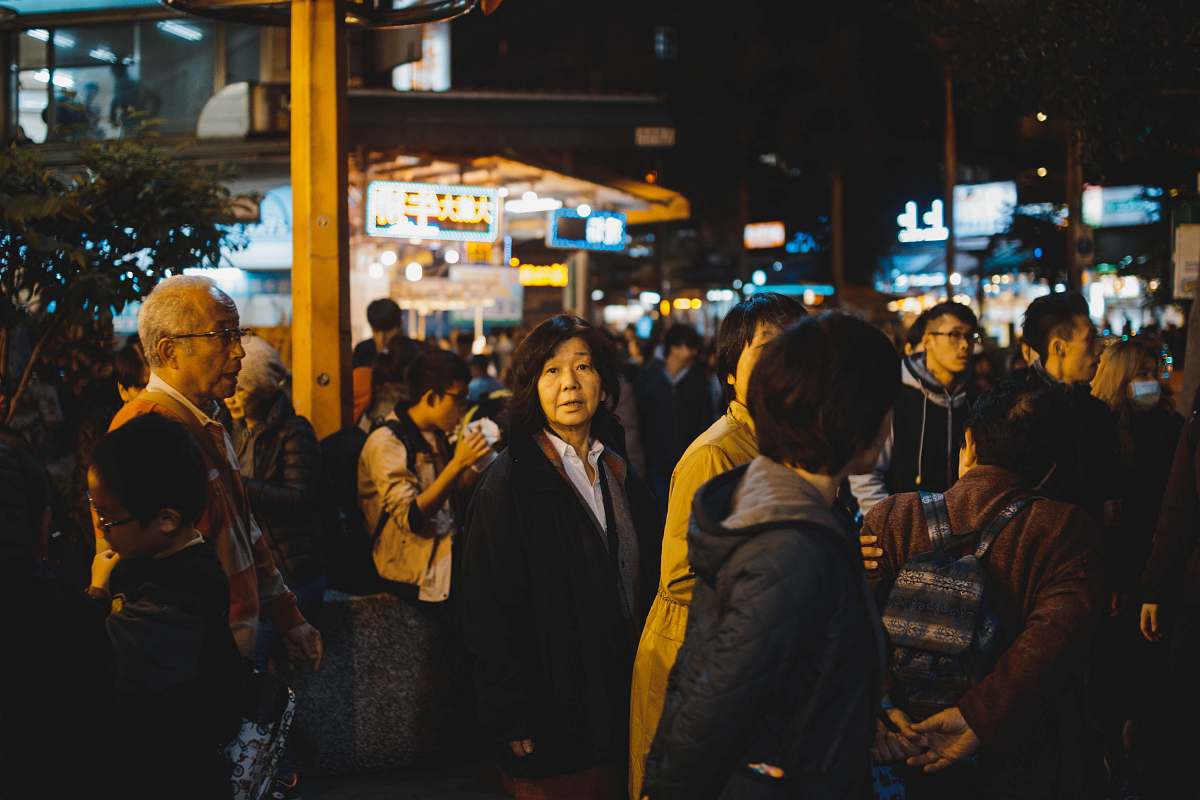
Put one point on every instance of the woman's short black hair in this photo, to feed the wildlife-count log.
(151, 463)
(525, 409)
(742, 321)
(820, 391)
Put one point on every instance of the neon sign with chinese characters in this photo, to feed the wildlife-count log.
(596, 230)
(980, 209)
(431, 211)
(934, 219)
(542, 275)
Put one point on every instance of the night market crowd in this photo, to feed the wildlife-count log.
(802, 560)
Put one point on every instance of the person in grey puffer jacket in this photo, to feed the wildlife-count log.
(921, 451)
(776, 690)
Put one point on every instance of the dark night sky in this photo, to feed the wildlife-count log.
(855, 81)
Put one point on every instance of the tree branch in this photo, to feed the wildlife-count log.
(27, 373)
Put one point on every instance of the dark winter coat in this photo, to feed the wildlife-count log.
(181, 684)
(544, 624)
(783, 659)
(285, 492)
(1172, 574)
(671, 416)
(1087, 466)
(1042, 575)
(927, 433)
(1144, 476)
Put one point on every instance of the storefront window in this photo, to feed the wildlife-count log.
(107, 79)
(177, 71)
(33, 100)
(243, 57)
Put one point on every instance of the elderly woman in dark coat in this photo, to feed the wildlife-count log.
(558, 571)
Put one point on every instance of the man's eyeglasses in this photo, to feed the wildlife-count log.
(958, 337)
(228, 336)
(107, 525)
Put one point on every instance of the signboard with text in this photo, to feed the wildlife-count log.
(763, 235)
(432, 211)
(596, 230)
(1119, 206)
(980, 209)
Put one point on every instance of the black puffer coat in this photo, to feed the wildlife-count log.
(285, 492)
(783, 659)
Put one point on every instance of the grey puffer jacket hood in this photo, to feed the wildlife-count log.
(770, 492)
(915, 374)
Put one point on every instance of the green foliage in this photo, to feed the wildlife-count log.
(77, 246)
(83, 245)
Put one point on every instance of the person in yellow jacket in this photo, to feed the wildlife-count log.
(728, 443)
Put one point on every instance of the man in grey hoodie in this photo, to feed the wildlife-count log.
(781, 669)
(931, 411)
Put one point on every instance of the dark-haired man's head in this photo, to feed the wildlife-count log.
(914, 338)
(146, 485)
(836, 418)
(1059, 332)
(1015, 428)
(437, 388)
(948, 339)
(132, 372)
(749, 327)
(384, 317)
(479, 366)
(681, 345)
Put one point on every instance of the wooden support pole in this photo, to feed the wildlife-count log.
(320, 241)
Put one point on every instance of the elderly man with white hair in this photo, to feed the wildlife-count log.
(192, 337)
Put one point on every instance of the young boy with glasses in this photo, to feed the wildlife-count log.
(180, 680)
(927, 430)
(407, 472)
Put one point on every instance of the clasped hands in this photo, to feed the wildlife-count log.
(932, 744)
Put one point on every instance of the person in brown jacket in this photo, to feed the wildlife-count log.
(1019, 732)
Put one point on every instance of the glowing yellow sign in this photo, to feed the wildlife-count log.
(543, 275)
(431, 211)
(763, 235)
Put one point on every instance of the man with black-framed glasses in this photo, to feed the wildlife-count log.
(931, 412)
(191, 333)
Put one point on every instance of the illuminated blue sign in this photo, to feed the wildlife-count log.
(596, 230)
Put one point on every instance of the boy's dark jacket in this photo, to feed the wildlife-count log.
(181, 685)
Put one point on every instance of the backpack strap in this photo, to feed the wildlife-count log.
(937, 518)
(999, 522)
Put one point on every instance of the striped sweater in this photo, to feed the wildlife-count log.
(255, 585)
